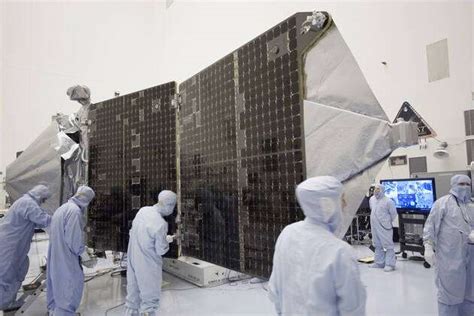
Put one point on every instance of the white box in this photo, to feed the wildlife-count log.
(196, 271)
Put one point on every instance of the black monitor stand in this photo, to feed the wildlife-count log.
(412, 242)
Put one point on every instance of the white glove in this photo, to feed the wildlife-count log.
(88, 261)
(170, 238)
(429, 254)
(471, 237)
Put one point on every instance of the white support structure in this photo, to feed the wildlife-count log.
(196, 271)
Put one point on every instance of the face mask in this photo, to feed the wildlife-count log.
(166, 209)
(463, 193)
(378, 195)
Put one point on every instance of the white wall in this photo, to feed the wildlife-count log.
(53, 45)
(440, 103)
(132, 46)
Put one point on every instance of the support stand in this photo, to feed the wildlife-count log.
(412, 242)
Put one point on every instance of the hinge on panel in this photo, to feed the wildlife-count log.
(176, 101)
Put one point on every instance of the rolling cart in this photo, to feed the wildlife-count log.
(412, 241)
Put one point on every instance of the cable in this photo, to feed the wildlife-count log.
(256, 281)
(182, 289)
(82, 156)
(439, 141)
(97, 274)
(108, 310)
(246, 289)
(460, 143)
(237, 278)
(117, 272)
(217, 288)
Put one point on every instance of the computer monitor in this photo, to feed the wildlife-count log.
(411, 195)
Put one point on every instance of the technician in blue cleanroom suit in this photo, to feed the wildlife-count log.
(148, 242)
(448, 237)
(16, 231)
(383, 212)
(66, 244)
(314, 272)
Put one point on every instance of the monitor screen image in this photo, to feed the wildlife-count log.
(415, 195)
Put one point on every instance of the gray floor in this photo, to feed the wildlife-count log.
(409, 290)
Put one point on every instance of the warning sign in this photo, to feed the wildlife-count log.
(408, 113)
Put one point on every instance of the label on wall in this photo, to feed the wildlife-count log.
(398, 160)
(408, 113)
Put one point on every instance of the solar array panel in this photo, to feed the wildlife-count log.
(132, 158)
(241, 151)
